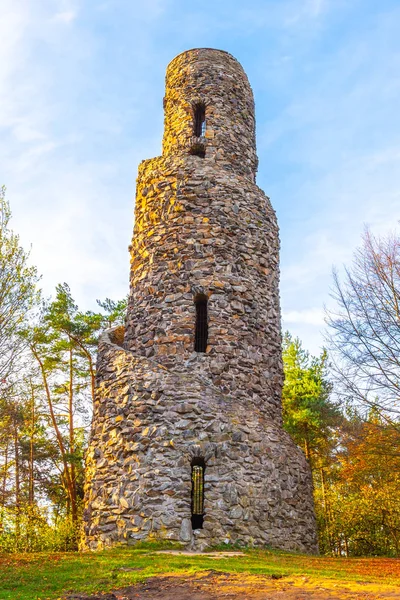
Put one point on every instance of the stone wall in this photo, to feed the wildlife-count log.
(201, 230)
(149, 423)
(215, 78)
(202, 226)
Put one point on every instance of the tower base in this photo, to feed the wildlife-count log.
(149, 426)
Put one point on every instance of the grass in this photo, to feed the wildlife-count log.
(48, 576)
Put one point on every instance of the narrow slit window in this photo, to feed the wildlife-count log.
(199, 120)
(198, 468)
(201, 329)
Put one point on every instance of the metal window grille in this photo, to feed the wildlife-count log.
(199, 120)
(201, 330)
(197, 490)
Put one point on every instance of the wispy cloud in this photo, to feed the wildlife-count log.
(66, 16)
(316, 7)
(310, 316)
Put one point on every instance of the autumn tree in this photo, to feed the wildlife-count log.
(365, 490)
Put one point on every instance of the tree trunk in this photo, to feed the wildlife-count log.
(31, 450)
(4, 487)
(327, 513)
(4, 483)
(74, 508)
(307, 448)
(17, 479)
(346, 546)
(60, 441)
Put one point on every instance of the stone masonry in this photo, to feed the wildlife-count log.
(203, 229)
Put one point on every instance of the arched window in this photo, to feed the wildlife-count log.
(201, 328)
(199, 119)
(198, 468)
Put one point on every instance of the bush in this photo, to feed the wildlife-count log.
(31, 531)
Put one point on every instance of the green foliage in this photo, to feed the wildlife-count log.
(308, 413)
(36, 531)
(115, 311)
(18, 291)
(62, 341)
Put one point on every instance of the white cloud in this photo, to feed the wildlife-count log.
(316, 7)
(66, 16)
(311, 316)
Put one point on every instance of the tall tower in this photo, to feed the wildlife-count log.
(187, 441)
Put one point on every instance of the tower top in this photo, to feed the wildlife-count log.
(209, 110)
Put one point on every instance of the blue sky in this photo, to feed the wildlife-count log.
(81, 88)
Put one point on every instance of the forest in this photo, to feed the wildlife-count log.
(341, 407)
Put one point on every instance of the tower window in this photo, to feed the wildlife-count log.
(199, 119)
(198, 468)
(198, 150)
(201, 329)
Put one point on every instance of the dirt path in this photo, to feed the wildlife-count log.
(228, 586)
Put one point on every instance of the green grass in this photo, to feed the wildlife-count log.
(46, 576)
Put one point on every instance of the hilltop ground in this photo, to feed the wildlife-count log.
(145, 573)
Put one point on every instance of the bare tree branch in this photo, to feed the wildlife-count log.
(364, 330)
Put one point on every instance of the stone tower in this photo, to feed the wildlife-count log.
(187, 441)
